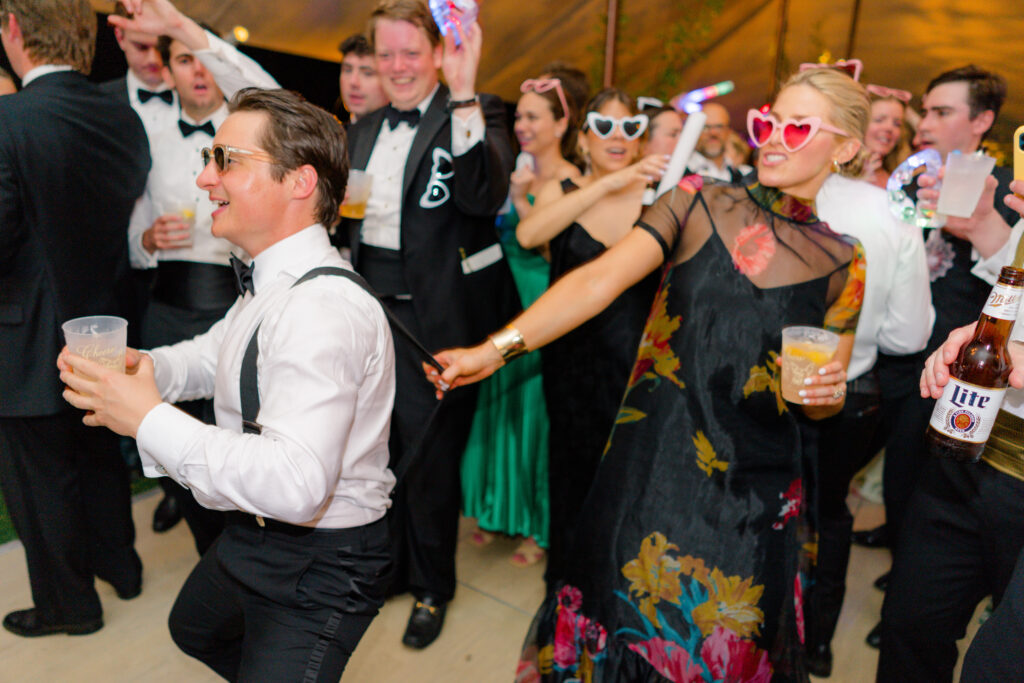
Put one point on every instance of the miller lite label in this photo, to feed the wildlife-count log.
(1003, 302)
(966, 412)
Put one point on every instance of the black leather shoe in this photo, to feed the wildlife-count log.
(425, 622)
(874, 638)
(166, 515)
(28, 623)
(129, 592)
(872, 538)
(819, 660)
(882, 582)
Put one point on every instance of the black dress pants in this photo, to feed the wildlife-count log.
(280, 602)
(996, 651)
(844, 447)
(424, 518)
(164, 324)
(66, 487)
(963, 532)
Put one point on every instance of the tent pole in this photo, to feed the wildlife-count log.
(780, 45)
(609, 43)
(854, 20)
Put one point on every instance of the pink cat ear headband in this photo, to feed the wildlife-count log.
(850, 66)
(903, 96)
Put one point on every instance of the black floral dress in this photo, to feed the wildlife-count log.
(689, 559)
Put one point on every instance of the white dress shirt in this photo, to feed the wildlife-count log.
(896, 315)
(43, 70)
(155, 113)
(326, 374)
(382, 224)
(701, 165)
(177, 162)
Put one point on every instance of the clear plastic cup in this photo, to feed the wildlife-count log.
(963, 183)
(357, 193)
(804, 350)
(102, 339)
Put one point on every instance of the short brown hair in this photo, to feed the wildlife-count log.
(55, 31)
(298, 133)
(986, 91)
(415, 12)
(356, 45)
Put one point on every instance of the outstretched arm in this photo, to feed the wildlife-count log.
(571, 301)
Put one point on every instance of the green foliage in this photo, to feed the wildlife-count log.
(684, 42)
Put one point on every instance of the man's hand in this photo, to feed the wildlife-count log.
(459, 64)
(118, 401)
(985, 229)
(167, 232)
(160, 17)
(1014, 201)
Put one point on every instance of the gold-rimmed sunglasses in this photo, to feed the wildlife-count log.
(221, 155)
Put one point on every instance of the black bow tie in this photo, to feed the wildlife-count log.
(243, 276)
(187, 128)
(394, 117)
(146, 95)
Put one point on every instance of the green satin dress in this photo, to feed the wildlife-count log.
(505, 465)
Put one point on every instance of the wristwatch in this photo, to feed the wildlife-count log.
(452, 105)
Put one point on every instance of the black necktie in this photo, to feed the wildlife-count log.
(187, 128)
(394, 117)
(243, 276)
(146, 95)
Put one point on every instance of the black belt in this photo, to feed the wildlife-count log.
(342, 535)
(383, 270)
(866, 384)
(194, 286)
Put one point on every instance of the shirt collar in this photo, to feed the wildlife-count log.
(133, 83)
(44, 70)
(294, 255)
(216, 117)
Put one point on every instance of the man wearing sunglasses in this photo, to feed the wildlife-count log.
(169, 231)
(710, 159)
(287, 590)
(440, 158)
(960, 525)
(72, 162)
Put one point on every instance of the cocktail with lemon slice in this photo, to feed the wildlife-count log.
(187, 214)
(804, 351)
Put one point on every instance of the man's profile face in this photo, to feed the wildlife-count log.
(196, 88)
(406, 61)
(716, 131)
(361, 91)
(947, 123)
(249, 201)
(663, 133)
(142, 57)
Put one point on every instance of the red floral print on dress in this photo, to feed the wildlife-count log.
(753, 249)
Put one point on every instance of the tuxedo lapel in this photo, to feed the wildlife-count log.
(430, 124)
(359, 156)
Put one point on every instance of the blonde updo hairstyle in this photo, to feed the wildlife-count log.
(851, 109)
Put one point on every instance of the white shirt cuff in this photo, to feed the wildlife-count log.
(467, 132)
(163, 439)
(988, 268)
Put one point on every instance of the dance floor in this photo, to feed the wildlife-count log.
(485, 624)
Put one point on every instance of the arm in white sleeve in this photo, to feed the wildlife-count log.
(314, 355)
(142, 218)
(988, 268)
(187, 371)
(231, 69)
(909, 315)
(467, 132)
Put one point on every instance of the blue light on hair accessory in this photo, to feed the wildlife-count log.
(450, 14)
(901, 205)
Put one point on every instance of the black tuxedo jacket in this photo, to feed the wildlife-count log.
(118, 88)
(73, 160)
(448, 210)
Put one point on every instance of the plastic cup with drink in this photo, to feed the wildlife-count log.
(102, 339)
(357, 193)
(804, 350)
(963, 183)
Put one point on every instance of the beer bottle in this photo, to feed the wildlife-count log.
(964, 415)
